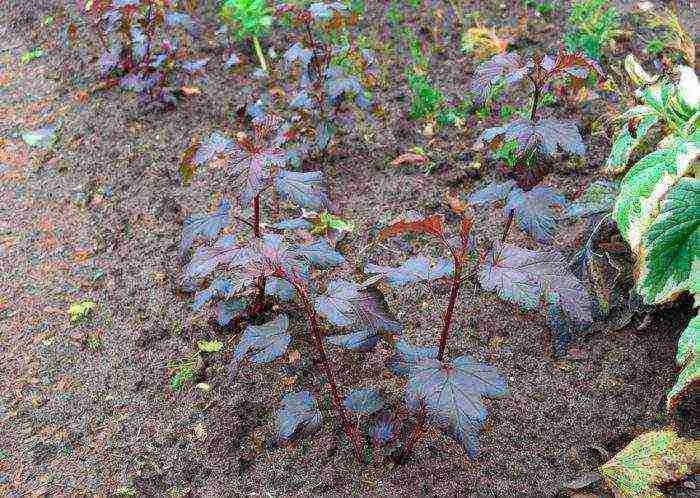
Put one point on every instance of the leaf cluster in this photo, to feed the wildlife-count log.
(593, 25)
(248, 18)
(144, 45)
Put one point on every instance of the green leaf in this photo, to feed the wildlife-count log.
(670, 244)
(687, 357)
(27, 57)
(210, 346)
(43, 137)
(641, 181)
(628, 140)
(79, 311)
(650, 460)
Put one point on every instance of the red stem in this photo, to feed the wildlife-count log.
(509, 222)
(262, 281)
(447, 323)
(414, 437)
(335, 394)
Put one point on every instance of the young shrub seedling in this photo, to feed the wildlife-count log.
(594, 25)
(142, 52)
(441, 390)
(249, 19)
(531, 279)
(324, 82)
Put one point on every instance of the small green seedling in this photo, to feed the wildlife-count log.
(249, 19)
(32, 55)
(80, 311)
(210, 346)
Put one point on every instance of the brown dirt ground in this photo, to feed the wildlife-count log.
(76, 421)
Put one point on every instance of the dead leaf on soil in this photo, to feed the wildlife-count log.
(410, 158)
(190, 91)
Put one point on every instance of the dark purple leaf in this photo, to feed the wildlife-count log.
(302, 101)
(214, 145)
(293, 224)
(271, 253)
(324, 11)
(548, 135)
(534, 211)
(297, 417)
(174, 19)
(136, 82)
(407, 355)
(253, 169)
(111, 20)
(229, 309)
(562, 328)
(324, 132)
(224, 252)
(220, 286)
(194, 66)
(523, 277)
(109, 60)
(365, 401)
(510, 67)
(452, 395)
(231, 60)
(349, 304)
(279, 287)
(343, 84)
(362, 341)
(384, 431)
(263, 343)
(207, 225)
(416, 269)
(139, 42)
(305, 189)
(492, 192)
(320, 254)
(298, 52)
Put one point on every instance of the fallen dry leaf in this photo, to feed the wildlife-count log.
(410, 158)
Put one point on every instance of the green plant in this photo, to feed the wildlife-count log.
(80, 311)
(184, 371)
(34, 54)
(425, 99)
(249, 19)
(658, 207)
(593, 26)
(544, 7)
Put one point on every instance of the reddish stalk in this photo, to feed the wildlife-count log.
(408, 447)
(509, 222)
(447, 322)
(335, 393)
(262, 281)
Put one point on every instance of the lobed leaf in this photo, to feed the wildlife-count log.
(408, 355)
(413, 270)
(220, 286)
(523, 277)
(320, 254)
(599, 198)
(224, 252)
(297, 417)
(253, 169)
(452, 395)
(364, 401)
(207, 225)
(263, 343)
(280, 288)
(547, 135)
(510, 67)
(305, 189)
(384, 431)
(533, 210)
(492, 192)
(349, 304)
(362, 341)
(229, 309)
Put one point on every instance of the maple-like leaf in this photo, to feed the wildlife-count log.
(183, 20)
(365, 401)
(270, 254)
(451, 393)
(416, 269)
(523, 277)
(293, 224)
(320, 254)
(349, 304)
(280, 288)
(547, 135)
(297, 417)
(510, 67)
(228, 309)
(297, 52)
(305, 189)
(362, 341)
(494, 191)
(216, 144)
(224, 252)
(407, 355)
(263, 343)
(413, 222)
(221, 286)
(384, 431)
(206, 225)
(534, 211)
(109, 59)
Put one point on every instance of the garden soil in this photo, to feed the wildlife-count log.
(87, 409)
